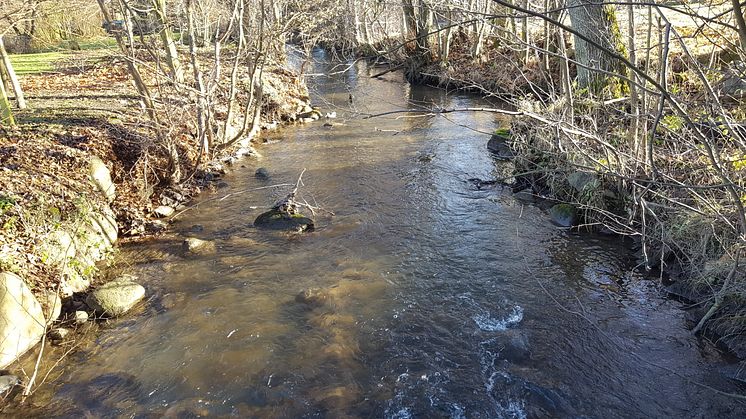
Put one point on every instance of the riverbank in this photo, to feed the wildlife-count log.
(674, 189)
(427, 285)
(82, 171)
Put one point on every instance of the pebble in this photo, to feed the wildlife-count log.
(80, 317)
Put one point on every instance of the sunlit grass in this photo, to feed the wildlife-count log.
(35, 63)
(43, 62)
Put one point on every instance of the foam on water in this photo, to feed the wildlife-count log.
(490, 324)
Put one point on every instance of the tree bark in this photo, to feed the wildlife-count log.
(20, 100)
(738, 14)
(6, 114)
(597, 22)
(172, 55)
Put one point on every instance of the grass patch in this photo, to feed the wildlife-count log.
(42, 62)
(100, 43)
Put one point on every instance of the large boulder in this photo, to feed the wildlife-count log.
(115, 298)
(275, 219)
(22, 320)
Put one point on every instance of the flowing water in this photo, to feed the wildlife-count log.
(435, 298)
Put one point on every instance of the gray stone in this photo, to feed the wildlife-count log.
(73, 282)
(59, 246)
(7, 383)
(525, 195)
(164, 211)
(22, 320)
(197, 246)
(101, 178)
(59, 333)
(80, 317)
(500, 149)
(733, 82)
(115, 298)
(564, 215)
(261, 173)
(105, 223)
(583, 181)
(156, 226)
(278, 220)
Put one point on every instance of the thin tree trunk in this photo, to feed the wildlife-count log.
(228, 126)
(198, 79)
(6, 114)
(525, 35)
(20, 100)
(738, 14)
(565, 73)
(172, 55)
(633, 98)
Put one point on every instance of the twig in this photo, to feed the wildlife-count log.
(221, 198)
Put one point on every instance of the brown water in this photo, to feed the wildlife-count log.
(427, 280)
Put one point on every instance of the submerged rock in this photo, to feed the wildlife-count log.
(261, 173)
(116, 298)
(314, 297)
(276, 219)
(22, 319)
(197, 246)
(58, 333)
(516, 347)
(564, 215)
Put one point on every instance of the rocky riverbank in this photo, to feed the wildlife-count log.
(75, 183)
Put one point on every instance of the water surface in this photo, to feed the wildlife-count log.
(439, 299)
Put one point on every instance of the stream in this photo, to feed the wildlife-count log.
(431, 297)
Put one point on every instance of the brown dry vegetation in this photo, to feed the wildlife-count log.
(88, 107)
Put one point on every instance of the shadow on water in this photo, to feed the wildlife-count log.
(421, 297)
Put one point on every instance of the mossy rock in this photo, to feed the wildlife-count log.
(564, 215)
(278, 220)
(499, 145)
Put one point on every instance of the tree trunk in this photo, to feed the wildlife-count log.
(410, 20)
(20, 100)
(597, 22)
(202, 136)
(172, 55)
(738, 14)
(6, 114)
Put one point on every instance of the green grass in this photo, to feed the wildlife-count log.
(101, 43)
(35, 63)
(43, 62)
